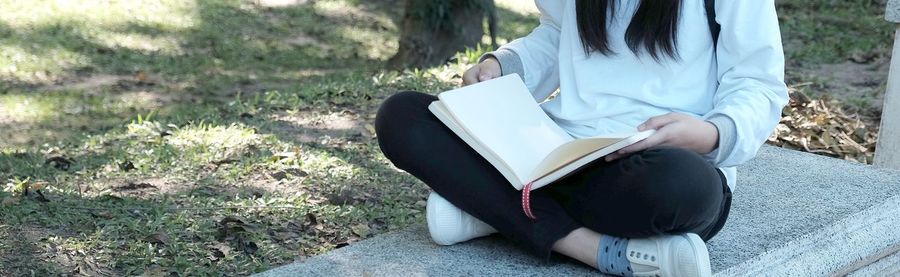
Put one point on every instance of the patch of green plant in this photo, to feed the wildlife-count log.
(825, 31)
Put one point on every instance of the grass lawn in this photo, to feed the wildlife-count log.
(228, 137)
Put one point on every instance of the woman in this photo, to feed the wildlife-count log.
(619, 65)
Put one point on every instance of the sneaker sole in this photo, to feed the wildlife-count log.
(431, 218)
(474, 230)
(701, 253)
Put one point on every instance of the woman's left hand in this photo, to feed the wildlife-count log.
(675, 129)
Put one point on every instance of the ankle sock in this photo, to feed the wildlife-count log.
(611, 257)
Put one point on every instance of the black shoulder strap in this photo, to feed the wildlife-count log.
(714, 26)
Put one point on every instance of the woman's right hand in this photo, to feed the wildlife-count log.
(483, 71)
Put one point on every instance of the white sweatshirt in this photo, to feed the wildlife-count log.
(610, 94)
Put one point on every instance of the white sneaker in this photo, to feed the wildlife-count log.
(670, 255)
(449, 225)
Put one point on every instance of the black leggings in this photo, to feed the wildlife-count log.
(656, 191)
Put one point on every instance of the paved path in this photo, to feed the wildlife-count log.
(793, 214)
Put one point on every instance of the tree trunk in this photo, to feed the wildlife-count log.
(423, 43)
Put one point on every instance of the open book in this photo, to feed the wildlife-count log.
(501, 120)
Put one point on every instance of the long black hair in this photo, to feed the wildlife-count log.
(653, 28)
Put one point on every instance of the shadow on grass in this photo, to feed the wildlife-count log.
(232, 48)
(226, 39)
(137, 234)
(97, 221)
(117, 214)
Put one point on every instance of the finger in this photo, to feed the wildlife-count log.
(654, 140)
(612, 157)
(641, 145)
(484, 77)
(657, 122)
(470, 77)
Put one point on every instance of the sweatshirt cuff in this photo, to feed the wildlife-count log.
(727, 137)
(509, 61)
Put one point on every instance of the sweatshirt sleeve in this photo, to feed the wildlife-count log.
(535, 57)
(752, 92)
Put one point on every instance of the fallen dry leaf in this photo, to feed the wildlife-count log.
(370, 131)
(127, 166)
(59, 162)
(9, 201)
(311, 219)
(103, 214)
(218, 251)
(231, 226)
(155, 271)
(134, 186)
(362, 230)
(157, 238)
(38, 185)
(821, 126)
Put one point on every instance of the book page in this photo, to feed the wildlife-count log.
(576, 154)
(437, 108)
(569, 152)
(502, 115)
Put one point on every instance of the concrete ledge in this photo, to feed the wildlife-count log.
(793, 214)
(892, 12)
(886, 266)
(831, 249)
